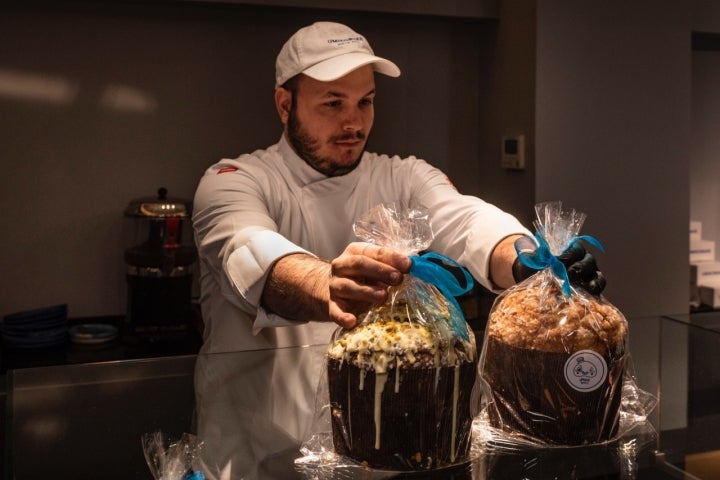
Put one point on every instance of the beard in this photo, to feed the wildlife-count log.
(307, 147)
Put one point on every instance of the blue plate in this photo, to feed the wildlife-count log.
(34, 339)
(38, 314)
(27, 327)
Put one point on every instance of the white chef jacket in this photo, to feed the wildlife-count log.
(248, 213)
(252, 210)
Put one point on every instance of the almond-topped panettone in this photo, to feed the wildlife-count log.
(400, 391)
(554, 364)
(553, 324)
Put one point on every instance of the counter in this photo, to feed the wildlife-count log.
(126, 346)
(87, 419)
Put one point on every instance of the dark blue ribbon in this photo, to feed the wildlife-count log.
(424, 268)
(541, 258)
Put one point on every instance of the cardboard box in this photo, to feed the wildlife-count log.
(702, 251)
(695, 230)
(705, 273)
(703, 464)
(710, 295)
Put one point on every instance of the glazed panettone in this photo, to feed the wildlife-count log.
(554, 364)
(400, 386)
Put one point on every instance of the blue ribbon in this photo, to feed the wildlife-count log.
(196, 475)
(427, 270)
(541, 258)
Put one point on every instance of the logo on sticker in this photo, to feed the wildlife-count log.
(585, 370)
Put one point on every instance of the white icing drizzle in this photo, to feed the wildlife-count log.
(456, 397)
(397, 376)
(380, 379)
(362, 379)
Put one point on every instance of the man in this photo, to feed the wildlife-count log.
(279, 264)
(274, 228)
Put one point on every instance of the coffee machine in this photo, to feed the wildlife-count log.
(159, 268)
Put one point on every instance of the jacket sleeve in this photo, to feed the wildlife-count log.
(466, 227)
(237, 240)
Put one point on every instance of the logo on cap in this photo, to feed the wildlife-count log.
(341, 42)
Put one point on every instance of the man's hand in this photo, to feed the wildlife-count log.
(581, 267)
(302, 287)
(360, 277)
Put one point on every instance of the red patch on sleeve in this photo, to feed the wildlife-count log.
(227, 170)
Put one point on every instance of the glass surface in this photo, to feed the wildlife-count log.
(695, 446)
(87, 420)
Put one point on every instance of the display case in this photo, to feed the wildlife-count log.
(87, 420)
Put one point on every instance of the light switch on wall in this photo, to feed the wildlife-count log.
(513, 152)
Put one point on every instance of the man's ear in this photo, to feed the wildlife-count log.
(283, 101)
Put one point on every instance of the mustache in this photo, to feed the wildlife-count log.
(349, 136)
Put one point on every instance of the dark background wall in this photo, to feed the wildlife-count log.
(148, 94)
(141, 95)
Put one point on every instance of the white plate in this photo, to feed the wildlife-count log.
(93, 333)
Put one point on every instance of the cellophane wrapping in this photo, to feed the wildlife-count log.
(555, 370)
(173, 459)
(396, 390)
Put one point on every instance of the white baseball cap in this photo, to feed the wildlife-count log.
(327, 51)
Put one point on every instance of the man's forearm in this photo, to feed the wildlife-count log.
(297, 288)
(501, 262)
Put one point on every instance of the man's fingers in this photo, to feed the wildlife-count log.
(350, 290)
(572, 254)
(384, 255)
(359, 278)
(583, 270)
(341, 317)
(365, 270)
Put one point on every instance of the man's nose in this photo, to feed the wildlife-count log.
(352, 120)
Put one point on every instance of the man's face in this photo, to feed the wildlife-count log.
(328, 122)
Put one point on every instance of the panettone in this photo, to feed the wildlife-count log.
(400, 391)
(554, 365)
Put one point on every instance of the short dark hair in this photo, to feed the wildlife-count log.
(292, 84)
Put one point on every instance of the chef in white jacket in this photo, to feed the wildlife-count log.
(280, 265)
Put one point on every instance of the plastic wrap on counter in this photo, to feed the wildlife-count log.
(170, 459)
(500, 457)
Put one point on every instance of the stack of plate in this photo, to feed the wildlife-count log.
(42, 327)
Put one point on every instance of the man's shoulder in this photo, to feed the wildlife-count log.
(260, 155)
(260, 159)
(394, 161)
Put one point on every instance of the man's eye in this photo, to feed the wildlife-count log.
(334, 103)
(367, 101)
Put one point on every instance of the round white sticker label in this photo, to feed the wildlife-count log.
(585, 370)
